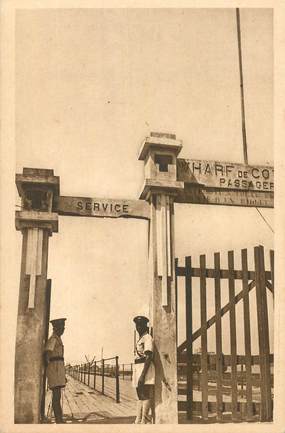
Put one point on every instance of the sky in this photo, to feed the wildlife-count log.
(91, 84)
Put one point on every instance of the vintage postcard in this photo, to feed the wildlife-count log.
(142, 216)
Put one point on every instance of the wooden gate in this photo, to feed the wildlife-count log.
(216, 386)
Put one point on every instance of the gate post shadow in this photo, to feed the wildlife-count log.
(160, 378)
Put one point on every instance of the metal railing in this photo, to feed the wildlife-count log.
(126, 371)
(89, 373)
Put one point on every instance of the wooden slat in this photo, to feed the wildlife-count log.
(272, 269)
(212, 378)
(224, 273)
(269, 286)
(233, 341)
(211, 321)
(203, 314)
(189, 330)
(260, 334)
(263, 335)
(241, 359)
(213, 409)
(247, 336)
(219, 355)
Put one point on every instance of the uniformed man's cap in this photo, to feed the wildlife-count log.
(58, 322)
(141, 319)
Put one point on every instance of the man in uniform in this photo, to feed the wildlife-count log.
(143, 371)
(55, 370)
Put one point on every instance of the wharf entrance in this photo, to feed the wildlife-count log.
(168, 180)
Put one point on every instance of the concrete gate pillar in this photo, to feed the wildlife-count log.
(159, 152)
(38, 189)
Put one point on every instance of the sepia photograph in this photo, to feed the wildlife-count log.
(143, 276)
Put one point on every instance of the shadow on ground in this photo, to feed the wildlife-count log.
(94, 418)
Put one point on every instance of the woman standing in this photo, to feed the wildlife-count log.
(144, 372)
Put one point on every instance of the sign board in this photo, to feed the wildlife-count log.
(100, 207)
(226, 175)
(201, 195)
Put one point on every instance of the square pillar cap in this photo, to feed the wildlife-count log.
(160, 141)
(37, 176)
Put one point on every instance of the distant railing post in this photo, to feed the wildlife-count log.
(103, 374)
(95, 368)
(241, 380)
(132, 371)
(88, 373)
(123, 371)
(117, 380)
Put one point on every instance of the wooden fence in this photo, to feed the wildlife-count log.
(230, 378)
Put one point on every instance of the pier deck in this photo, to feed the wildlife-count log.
(82, 404)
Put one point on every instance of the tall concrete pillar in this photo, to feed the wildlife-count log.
(159, 152)
(38, 189)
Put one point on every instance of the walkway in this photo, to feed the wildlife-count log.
(82, 404)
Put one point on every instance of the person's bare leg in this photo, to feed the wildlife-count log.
(139, 412)
(146, 419)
